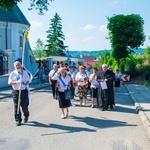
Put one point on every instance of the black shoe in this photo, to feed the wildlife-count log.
(25, 119)
(18, 123)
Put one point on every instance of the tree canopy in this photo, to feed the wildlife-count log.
(55, 38)
(125, 34)
(39, 5)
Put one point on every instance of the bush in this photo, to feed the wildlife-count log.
(147, 84)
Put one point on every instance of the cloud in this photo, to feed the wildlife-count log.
(36, 24)
(89, 27)
(88, 38)
(103, 28)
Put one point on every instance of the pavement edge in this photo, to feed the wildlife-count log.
(139, 110)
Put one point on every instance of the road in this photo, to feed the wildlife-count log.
(86, 128)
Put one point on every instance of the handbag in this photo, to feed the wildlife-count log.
(68, 93)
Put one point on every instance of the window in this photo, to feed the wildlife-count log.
(21, 41)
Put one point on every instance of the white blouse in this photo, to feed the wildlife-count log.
(81, 76)
(64, 86)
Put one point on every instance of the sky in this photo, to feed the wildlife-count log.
(84, 22)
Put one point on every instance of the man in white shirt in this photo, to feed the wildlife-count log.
(19, 79)
(53, 79)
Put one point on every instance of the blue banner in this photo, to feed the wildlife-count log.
(29, 62)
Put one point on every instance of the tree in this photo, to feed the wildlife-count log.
(39, 5)
(55, 38)
(125, 34)
(40, 53)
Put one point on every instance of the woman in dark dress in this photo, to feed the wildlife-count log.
(63, 82)
(106, 91)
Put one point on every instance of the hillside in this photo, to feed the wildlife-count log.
(95, 53)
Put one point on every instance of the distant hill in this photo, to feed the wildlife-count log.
(95, 53)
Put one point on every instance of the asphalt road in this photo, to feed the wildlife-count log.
(86, 128)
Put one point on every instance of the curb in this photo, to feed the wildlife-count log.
(141, 113)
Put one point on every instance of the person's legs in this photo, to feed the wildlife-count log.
(24, 104)
(80, 92)
(17, 116)
(84, 91)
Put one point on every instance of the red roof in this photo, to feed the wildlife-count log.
(88, 61)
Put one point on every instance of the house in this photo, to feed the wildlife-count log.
(88, 60)
(12, 25)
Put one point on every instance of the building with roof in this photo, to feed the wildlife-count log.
(12, 25)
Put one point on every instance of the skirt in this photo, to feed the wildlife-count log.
(62, 102)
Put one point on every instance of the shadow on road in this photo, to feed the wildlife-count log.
(95, 123)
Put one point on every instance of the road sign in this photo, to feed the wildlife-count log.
(125, 77)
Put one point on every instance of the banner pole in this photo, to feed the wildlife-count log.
(19, 97)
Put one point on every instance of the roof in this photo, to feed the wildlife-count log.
(15, 16)
(88, 61)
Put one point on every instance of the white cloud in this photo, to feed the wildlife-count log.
(89, 27)
(36, 24)
(103, 28)
(88, 38)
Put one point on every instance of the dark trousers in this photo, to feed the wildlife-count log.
(24, 104)
(54, 89)
(105, 98)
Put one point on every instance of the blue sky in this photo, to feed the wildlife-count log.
(84, 21)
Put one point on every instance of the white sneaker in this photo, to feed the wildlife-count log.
(62, 116)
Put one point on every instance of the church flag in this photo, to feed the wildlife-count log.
(28, 60)
(68, 58)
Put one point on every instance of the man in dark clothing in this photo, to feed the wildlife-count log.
(106, 90)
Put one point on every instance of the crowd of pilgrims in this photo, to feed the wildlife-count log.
(99, 83)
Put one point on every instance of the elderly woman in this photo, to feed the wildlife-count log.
(82, 80)
(63, 82)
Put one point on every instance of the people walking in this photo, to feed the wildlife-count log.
(94, 86)
(63, 82)
(53, 80)
(19, 79)
(41, 75)
(82, 80)
(118, 75)
(106, 91)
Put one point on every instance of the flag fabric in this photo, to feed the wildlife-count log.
(28, 60)
(68, 58)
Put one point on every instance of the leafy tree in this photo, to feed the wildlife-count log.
(125, 34)
(40, 53)
(147, 51)
(55, 38)
(39, 5)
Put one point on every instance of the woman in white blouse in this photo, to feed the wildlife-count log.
(94, 86)
(82, 80)
(63, 82)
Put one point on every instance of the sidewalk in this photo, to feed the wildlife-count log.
(6, 92)
(140, 96)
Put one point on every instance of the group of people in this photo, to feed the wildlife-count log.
(100, 83)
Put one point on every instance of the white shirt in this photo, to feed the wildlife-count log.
(66, 80)
(94, 83)
(81, 76)
(14, 76)
(118, 74)
(52, 75)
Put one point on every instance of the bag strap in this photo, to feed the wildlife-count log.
(62, 82)
(54, 73)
